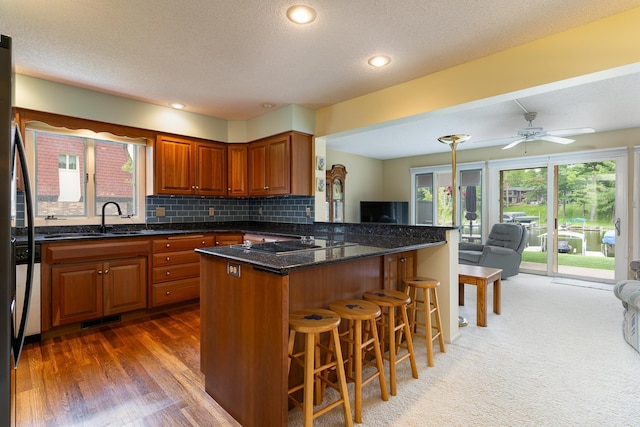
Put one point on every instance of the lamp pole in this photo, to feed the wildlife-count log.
(453, 141)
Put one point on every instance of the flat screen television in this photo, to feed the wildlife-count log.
(385, 212)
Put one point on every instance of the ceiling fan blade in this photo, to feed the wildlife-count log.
(570, 132)
(514, 143)
(556, 139)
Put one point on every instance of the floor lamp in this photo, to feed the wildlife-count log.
(453, 141)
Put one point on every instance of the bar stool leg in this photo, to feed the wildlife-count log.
(342, 378)
(407, 333)
(309, 360)
(379, 365)
(428, 327)
(436, 310)
(391, 318)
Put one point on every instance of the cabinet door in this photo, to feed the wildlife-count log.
(237, 170)
(257, 154)
(211, 176)
(397, 267)
(76, 293)
(279, 165)
(124, 285)
(174, 160)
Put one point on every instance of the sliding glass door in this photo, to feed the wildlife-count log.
(572, 207)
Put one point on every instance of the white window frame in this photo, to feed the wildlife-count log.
(94, 215)
(460, 167)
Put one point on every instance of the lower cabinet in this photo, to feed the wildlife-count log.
(90, 290)
(175, 274)
(396, 268)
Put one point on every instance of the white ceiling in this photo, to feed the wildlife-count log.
(225, 59)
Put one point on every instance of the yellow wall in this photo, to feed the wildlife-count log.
(364, 181)
(602, 45)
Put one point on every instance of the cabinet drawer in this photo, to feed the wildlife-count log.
(175, 258)
(174, 272)
(176, 291)
(173, 244)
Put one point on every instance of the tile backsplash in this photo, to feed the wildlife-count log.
(180, 209)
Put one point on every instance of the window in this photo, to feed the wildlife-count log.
(91, 170)
(433, 202)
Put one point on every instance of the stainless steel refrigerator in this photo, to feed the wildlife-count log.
(12, 325)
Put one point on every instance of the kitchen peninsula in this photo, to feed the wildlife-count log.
(246, 295)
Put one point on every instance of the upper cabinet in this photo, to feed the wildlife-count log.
(190, 167)
(237, 170)
(280, 164)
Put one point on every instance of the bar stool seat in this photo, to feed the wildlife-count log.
(313, 322)
(357, 312)
(393, 329)
(429, 306)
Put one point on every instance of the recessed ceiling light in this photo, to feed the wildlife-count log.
(379, 61)
(301, 14)
(177, 105)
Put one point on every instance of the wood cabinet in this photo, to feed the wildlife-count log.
(175, 274)
(90, 280)
(91, 290)
(397, 267)
(237, 178)
(280, 164)
(190, 167)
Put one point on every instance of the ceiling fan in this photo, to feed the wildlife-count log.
(532, 133)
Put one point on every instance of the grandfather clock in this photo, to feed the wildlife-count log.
(335, 193)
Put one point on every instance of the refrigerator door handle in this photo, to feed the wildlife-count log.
(18, 148)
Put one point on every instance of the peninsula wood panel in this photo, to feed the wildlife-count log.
(244, 330)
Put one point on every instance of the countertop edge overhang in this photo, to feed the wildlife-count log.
(284, 264)
(51, 234)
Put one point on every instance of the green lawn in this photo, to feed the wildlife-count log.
(603, 263)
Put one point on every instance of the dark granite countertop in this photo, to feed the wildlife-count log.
(359, 246)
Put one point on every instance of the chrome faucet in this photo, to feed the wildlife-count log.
(103, 228)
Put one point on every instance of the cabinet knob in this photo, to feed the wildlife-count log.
(228, 188)
(106, 271)
(168, 245)
(168, 258)
(167, 293)
(99, 271)
(204, 242)
(217, 243)
(168, 273)
(193, 186)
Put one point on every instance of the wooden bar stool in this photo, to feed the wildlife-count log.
(394, 328)
(357, 312)
(429, 306)
(312, 323)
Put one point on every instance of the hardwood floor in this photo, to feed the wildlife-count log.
(144, 372)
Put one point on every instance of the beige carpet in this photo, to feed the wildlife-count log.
(554, 357)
